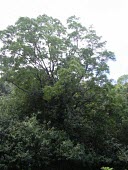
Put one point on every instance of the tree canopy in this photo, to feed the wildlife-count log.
(58, 108)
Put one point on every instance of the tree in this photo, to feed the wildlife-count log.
(41, 57)
(123, 79)
(39, 48)
(60, 96)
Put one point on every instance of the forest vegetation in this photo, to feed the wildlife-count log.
(58, 108)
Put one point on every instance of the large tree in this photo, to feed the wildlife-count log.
(44, 59)
(38, 50)
(56, 92)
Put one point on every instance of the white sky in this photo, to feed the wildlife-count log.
(109, 18)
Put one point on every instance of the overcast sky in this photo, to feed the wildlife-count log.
(109, 18)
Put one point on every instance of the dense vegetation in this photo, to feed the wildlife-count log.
(58, 109)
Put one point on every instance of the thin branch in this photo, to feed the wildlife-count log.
(17, 86)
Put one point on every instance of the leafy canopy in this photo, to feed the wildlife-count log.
(56, 103)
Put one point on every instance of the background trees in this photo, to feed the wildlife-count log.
(58, 107)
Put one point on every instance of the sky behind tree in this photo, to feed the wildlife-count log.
(109, 18)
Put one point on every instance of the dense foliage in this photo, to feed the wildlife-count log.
(58, 109)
